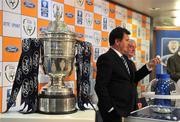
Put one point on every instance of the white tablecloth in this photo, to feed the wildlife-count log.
(152, 95)
(79, 116)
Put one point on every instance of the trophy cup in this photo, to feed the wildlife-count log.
(59, 53)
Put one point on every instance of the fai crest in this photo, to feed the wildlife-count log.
(29, 26)
(80, 2)
(10, 72)
(12, 3)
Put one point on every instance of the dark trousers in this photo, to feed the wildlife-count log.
(110, 117)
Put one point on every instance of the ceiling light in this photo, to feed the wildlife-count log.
(177, 21)
(154, 9)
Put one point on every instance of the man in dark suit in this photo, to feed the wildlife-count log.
(117, 77)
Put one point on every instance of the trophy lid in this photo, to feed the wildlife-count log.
(57, 27)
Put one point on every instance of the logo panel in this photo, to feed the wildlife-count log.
(9, 72)
(11, 49)
(44, 9)
(11, 24)
(12, 6)
(29, 27)
(29, 7)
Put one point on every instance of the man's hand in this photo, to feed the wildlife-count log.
(153, 62)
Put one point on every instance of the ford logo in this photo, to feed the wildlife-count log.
(29, 4)
(70, 15)
(112, 10)
(89, 2)
(97, 22)
(79, 35)
(43, 29)
(11, 49)
(104, 39)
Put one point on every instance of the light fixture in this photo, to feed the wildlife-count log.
(154, 9)
(177, 21)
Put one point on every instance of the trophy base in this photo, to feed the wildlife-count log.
(57, 104)
(54, 113)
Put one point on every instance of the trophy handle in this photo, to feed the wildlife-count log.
(41, 61)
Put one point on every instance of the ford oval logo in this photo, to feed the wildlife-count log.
(79, 35)
(112, 10)
(97, 22)
(70, 15)
(89, 2)
(11, 49)
(43, 29)
(29, 4)
(104, 39)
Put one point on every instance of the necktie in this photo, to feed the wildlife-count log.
(125, 63)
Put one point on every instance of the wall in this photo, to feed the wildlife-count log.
(91, 19)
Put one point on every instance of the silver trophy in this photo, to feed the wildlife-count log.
(59, 54)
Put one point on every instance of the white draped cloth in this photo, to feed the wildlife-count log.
(177, 92)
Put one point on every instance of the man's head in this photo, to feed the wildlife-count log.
(119, 39)
(132, 48)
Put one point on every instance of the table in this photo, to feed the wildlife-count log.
(152, 95)
(146, 114)
(79, 116)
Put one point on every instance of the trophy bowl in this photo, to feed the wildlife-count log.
(58, 60)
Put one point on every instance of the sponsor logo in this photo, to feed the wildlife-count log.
(88, 36)
(79, 17)
(26, 64)
(15, 93)
(105, 9)
(12, 25)
(80, 2)
(104, 39)
(119, 14)
(89, 2)
(11, 49)
(88, 19)
(97, 38)
(86, 68)
(43, 29)
(57, 11)
(26, 45)
(96, 53)
(12, 3)
(105, 23)
(130, 17)
(10, 72)
(112, 10)
(29, 4)
(79, 35)
(25, 87)
(111, 24)
(44, 8)
(97, 22)
(18, 76)
(85, 88)
(35, 59)
(69, 15)
(29, 26)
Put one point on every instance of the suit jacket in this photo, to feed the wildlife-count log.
(173, 67)
(114, 86)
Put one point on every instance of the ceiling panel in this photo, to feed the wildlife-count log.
(165, 16)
